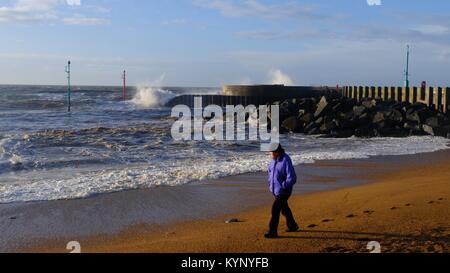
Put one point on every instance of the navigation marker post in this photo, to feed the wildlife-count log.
(407, 66)
(68, 85)
(124, 78)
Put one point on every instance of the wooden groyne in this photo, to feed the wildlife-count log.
(435, 97)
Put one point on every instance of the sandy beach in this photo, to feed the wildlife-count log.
(405, 209)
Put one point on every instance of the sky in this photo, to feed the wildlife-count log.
(217, 42)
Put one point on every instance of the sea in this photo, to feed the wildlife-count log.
(109, 144)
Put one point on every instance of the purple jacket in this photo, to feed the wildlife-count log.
(282, 176)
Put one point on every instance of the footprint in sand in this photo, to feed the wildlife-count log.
(394, 208)
(441, 199)
(327, 220)
(312, 226)
(369, 212)
(408, 205)
(431, 202)
(351, 216)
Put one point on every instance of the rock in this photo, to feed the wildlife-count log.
(369, 104)
(308, 105)
(287, 109)
(411, 125)
(392, 132)
(363, 120)
(359, 110)
(314, 131)
(327, 127)
(346, 115)
(292, 125)
(319, 121)
(342, 133)
(307, 118)
(379, 117)
(322, 107)
(437, 131)
(417, 107)
(310, 126)
(367, 131)
(433, 122)
(429, 130)
(338, 107)
(345, 124)
(396, 116)
(426, 114)
(413, 116)
(333, 116)
(415, 132)
(232, 220)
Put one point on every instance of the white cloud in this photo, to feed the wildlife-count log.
(432, 29)
(374, 2)
(73, 2)
(23, 11)
(278, 77)
(232, 8)
(84, 21)
(174, 22)
(303, 33)
(28, 10)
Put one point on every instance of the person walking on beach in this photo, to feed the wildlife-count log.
(282, 178)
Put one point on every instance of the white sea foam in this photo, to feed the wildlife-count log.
(197, 168)
(2, 149)
(148, 97)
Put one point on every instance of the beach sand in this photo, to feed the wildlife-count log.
(406, 210)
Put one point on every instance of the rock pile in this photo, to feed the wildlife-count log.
(344, 117)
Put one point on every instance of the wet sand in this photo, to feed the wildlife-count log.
(403, 204)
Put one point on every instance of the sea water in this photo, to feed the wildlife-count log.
(107, 144)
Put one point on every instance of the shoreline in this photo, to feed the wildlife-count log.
(378, 168)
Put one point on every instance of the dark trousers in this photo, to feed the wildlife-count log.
(281, 206)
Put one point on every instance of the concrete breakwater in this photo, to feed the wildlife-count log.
(436, 97)
(254, 95)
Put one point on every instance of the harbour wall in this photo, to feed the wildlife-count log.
(254, 95)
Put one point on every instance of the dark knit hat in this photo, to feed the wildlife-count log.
(279, 149)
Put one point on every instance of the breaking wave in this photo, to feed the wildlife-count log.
(148, 97)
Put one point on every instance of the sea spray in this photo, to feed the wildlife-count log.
(152, 95)
(276, 76)
(148, 97)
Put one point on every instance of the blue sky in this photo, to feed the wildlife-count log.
(216, 42)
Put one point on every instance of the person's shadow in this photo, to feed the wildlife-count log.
(354, 236)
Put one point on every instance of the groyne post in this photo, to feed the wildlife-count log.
(437, 97)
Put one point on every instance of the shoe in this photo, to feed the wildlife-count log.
(271, 235)
(291, 230)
